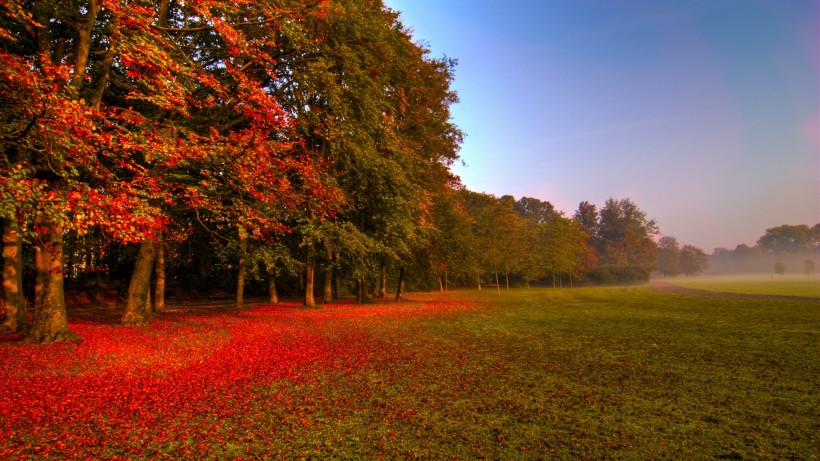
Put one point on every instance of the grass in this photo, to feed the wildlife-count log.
(592, 373)
(780, 285)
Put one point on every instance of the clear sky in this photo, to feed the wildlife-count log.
(704, 112)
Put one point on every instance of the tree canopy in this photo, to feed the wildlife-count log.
(173, 143)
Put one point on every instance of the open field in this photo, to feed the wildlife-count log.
(778, 285)
(591, 373)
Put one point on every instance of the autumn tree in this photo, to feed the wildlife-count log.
(113, 111)
(587, 217)
(693, 260)
(373, 105)
(624, 242)
(669, 256)
(453, 246)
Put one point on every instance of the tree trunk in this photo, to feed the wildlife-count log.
(479, 283)
(159, 278)
(273, 296)
(98, 271)
(15, 304)
(140, 287)
(507, 279)
(383, 281)
(446, 282)
(400, 289)
(497, 284)
(50, 323)
(240, 273)
(327, 296)
(336, 276)
(309, 272)
(359, 291)
(440, 283)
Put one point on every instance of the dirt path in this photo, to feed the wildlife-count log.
(671, 288)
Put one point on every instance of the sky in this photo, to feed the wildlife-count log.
(705, 113)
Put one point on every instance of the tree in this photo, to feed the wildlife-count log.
(565, 250)
(693, 260)
(375, 107)
(779, 268)
(788, 239)
(587, 217)
(669, 256)
(113, 111)
(13, 301)
(624, 242)
(535, 210)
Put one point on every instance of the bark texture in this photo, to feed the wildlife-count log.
(400, 289)
(240, 275)
(50, 322)
(159, 278)
(310, 269)
(136, 312)
(328, 288)
(272, 294)
(15, 306)
(383, 281)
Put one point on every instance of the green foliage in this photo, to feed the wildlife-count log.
(693, 260)
(669, 263)
(623, 240)
(789, 239)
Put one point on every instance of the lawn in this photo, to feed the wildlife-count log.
(780, 285)
(591, 373)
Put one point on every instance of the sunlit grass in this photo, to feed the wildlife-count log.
(780, 285)
(593, 373)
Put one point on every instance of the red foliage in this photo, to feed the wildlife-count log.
(88, 155)
(187, 384)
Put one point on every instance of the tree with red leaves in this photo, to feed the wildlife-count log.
(115, 111)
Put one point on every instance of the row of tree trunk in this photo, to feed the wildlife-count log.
(146, 291)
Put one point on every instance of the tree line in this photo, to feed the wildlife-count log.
(781, 249)
(288, 147)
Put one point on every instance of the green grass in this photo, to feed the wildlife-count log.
(614, 373)
(781, 285)
(576, 374)
(590, 373)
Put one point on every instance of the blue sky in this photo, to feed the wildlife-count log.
(706, 113)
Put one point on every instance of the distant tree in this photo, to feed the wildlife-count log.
(535, 210)
(788, 239)
(809, 266)
(693, 260)
(669, 256)
(779, 268)
(624, 243)
(587, 217)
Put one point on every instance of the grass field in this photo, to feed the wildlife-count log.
(780, 285)
(592, 373)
